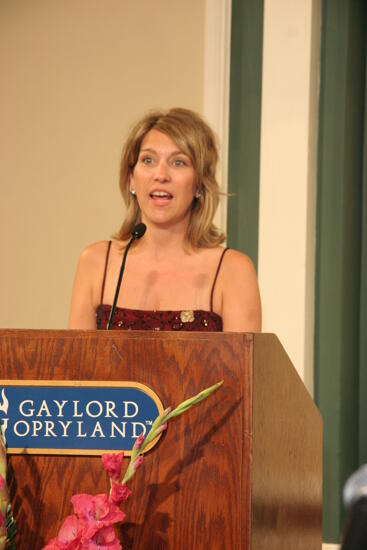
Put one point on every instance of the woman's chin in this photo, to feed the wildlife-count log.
(167, 220)
(176, 225)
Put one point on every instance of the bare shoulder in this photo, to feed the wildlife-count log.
(236, 263)
(94, 253)
(87, 286)
(91, 265)
(241, 304)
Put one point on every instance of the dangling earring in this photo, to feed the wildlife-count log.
(133, 192)
(197, 195)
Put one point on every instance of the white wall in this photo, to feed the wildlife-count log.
(287, 214)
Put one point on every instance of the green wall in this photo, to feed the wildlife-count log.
(338, 260)
(244, 125)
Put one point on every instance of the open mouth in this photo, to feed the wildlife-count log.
(161, 195)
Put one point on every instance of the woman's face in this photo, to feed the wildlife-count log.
(165, 182)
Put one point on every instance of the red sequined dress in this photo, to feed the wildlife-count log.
(135, 319)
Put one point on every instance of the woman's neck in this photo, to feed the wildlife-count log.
(163, 243)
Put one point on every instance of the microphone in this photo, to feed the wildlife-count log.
(137, 233)
(355, 499)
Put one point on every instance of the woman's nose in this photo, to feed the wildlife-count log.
(162, 171)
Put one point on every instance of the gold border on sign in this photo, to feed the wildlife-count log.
(83, 383)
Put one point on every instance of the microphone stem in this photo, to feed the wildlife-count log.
(112, 314)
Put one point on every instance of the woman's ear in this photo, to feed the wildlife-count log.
(131, 180)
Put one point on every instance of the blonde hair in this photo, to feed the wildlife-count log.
(196, 139)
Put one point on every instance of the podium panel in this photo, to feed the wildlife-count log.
(241, 471)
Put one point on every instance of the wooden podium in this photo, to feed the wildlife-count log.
(242, 471)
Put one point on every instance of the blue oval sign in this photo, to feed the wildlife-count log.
(45, 417)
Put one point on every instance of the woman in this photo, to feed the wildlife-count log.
(177, 275)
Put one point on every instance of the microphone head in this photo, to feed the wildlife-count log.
(355, 487)
(138, 231)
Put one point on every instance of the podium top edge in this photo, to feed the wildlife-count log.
(114, 333)
(77, 333)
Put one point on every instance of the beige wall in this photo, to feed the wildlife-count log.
(75, 74)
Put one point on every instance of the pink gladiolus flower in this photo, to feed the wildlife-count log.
(69, 537)
(138, 462)
(70, 529)
(2, 483)
(139, 441)
(119, 493)
(96, 512)
(2, 520)
(53, 545)
(105, 539)
(112, 464)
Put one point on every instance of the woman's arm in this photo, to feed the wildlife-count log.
(87, 287)
(241, 305)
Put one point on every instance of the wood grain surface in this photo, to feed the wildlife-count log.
(242, 471)
(287, 454)
(194, 486)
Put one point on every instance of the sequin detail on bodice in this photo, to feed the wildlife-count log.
(135, 319)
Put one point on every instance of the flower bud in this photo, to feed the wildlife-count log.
(139, 441)
(138, 462)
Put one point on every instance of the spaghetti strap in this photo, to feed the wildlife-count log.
(215, 278)
(105, 269)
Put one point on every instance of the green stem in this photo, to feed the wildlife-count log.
(162, 419)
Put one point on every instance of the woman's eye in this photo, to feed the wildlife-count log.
(146, 160)
(179, 162)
